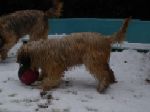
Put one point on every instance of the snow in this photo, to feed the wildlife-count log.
(77, 92)
(135, 46)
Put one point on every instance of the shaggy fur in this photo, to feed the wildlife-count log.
(32, 22)
(55, 56)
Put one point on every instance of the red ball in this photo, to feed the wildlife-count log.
(29, 76)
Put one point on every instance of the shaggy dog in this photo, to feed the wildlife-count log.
(32, 22)
(55, 56)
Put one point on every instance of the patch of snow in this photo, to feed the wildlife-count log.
(77, 93)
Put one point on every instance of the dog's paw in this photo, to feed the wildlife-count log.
(43, 87)
(101, 89)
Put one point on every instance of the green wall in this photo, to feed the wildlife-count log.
(138, 31)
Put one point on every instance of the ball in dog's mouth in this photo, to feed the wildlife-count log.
(27, 75)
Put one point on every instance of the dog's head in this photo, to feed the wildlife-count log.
(26, 74)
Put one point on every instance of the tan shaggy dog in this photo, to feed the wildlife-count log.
(55, 56)
(32, 22)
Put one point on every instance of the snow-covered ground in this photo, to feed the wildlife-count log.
(77, 92)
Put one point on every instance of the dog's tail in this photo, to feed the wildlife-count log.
(56, 9)
(120, 35)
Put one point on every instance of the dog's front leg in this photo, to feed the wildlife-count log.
(48, 84)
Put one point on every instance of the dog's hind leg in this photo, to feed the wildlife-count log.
(102, 75)
(104, 81)
(97, 64)
(111, 74)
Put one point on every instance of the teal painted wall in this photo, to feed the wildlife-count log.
(138, 31)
